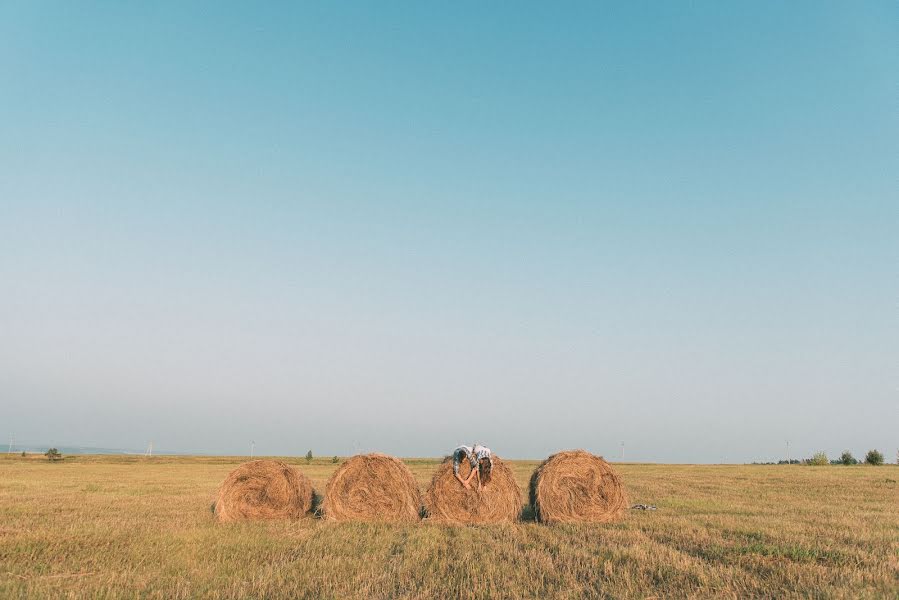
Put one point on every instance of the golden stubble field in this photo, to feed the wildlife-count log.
(124, 527)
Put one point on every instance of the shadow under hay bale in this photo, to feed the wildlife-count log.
(447, 500)
(372, 487)
(575, 486)
(263, 489)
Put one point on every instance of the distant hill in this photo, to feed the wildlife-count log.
(41, 448)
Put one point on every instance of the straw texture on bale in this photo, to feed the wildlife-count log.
(263, 489)
(577, 487)
(447, 500)
(372, 487)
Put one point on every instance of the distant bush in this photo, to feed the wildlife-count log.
(874, 457)
(23, 454)
(792, 461)
(309, 457)
(818, 459)
(53, 455)
(335, 460)
(847, 459)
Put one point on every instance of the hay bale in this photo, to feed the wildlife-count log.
(372, 487)
(263, 489)
(577, 487)
(447, 501)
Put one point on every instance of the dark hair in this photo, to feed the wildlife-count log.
(486, 468)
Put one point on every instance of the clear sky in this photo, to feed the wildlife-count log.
(403, 226)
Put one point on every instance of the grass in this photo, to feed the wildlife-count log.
(112, 527)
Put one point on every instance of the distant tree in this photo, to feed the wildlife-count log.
(818, 459)
(874, 457)
(309, 456)
(335, 460)
(847, 459)
(53, 454)
(23, 454)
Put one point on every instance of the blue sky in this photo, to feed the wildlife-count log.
(403, 226)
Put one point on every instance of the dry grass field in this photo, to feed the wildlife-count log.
(113, 527)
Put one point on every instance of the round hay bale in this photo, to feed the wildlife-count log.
(263, 489)
(575, 486)
(447, 500)
(372, 487)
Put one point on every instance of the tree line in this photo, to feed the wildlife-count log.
(873, 457)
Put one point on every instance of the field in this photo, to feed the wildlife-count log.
(93, 526)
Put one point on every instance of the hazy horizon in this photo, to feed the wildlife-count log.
(78, 450)
(404, 227)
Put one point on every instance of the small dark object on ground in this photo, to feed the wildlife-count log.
(644, 507)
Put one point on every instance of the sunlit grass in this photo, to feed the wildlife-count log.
(126, 526)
